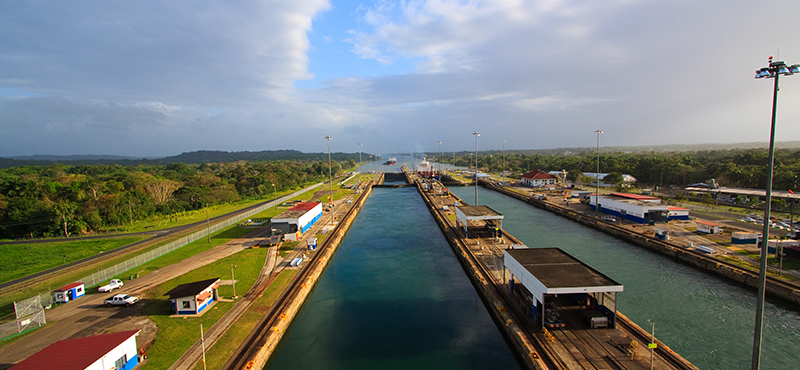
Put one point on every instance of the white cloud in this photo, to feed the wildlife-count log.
(157, 78)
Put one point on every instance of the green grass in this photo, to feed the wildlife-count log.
(217, 355)
(7, 299)
(176, 335)
(198, 246)
(286, 248)
(19, 260)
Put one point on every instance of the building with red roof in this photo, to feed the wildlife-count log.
(98, 352)
(298, 218)
(69, 292)
(539, 179)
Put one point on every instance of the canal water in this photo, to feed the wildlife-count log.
(393, 297)
(706, 319)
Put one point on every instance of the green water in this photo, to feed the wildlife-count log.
(393, 297)
(706, 319)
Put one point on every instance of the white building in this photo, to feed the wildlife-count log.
(194, 298)
(298, 218)
(627, 180)
(98, 352)
(539, 179)
(632, 207)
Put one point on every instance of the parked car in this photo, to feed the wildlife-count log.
(121, 300)
(113, 284)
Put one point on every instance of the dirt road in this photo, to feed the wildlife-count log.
(87, 315)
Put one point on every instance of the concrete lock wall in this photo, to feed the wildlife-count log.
(774, 286)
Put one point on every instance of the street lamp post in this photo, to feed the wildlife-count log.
(360, 175)
(476, 166)
(503, 174)
(440, 160)
(330, 179)
(597, 175)
(274, 195)
(774, 70)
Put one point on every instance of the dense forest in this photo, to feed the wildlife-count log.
(60, 199)
(745, 168)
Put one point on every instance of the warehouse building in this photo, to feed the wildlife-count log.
(632, 207)
(98, 352)
(298, 218)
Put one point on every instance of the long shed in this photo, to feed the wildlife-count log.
(97, 352)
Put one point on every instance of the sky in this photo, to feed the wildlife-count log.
(158, 78)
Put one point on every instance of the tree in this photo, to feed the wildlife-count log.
(613, 178)
(161, 190)
(65, 210)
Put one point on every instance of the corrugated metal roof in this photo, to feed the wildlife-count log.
(75, 353)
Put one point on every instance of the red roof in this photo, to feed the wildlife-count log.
(538, 175)
(68, 287)
(306, 206)
(706, 223)
(635, 196)
(678, 209)
(75, 353)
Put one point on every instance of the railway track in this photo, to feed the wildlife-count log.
(259, 336)
(38, 277)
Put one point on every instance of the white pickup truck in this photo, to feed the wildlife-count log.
(121, 300)
(113, 284)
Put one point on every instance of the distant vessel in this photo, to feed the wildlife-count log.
(391, 162)
(424, 168)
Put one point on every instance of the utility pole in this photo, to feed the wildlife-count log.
(476, 134)
(503, 174)
(233, 281)
(597, 175)
(330, 178)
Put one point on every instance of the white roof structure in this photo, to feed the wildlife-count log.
(548, 271)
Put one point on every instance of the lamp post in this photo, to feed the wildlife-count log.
(330, 178)
(233, 281)
(360, 175)
(476, 166)
(274, 196)
(774, 70)
(503, 174)
(440, 161)
(597, 175)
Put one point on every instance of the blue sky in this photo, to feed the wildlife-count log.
(151, 78)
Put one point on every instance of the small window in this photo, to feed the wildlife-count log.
(80, 289)
(121, 362)
(187, 304)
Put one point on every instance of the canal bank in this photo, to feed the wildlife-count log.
(706, 318)
(573, 347)
(261, 342)
(394, 296)
(775, 287)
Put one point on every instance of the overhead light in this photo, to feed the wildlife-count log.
(795, 68)
(784, 71)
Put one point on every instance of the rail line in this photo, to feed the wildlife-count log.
(258, 337)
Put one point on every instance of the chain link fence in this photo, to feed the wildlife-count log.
(45, 299)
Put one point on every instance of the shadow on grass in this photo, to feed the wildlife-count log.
(157, 307)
